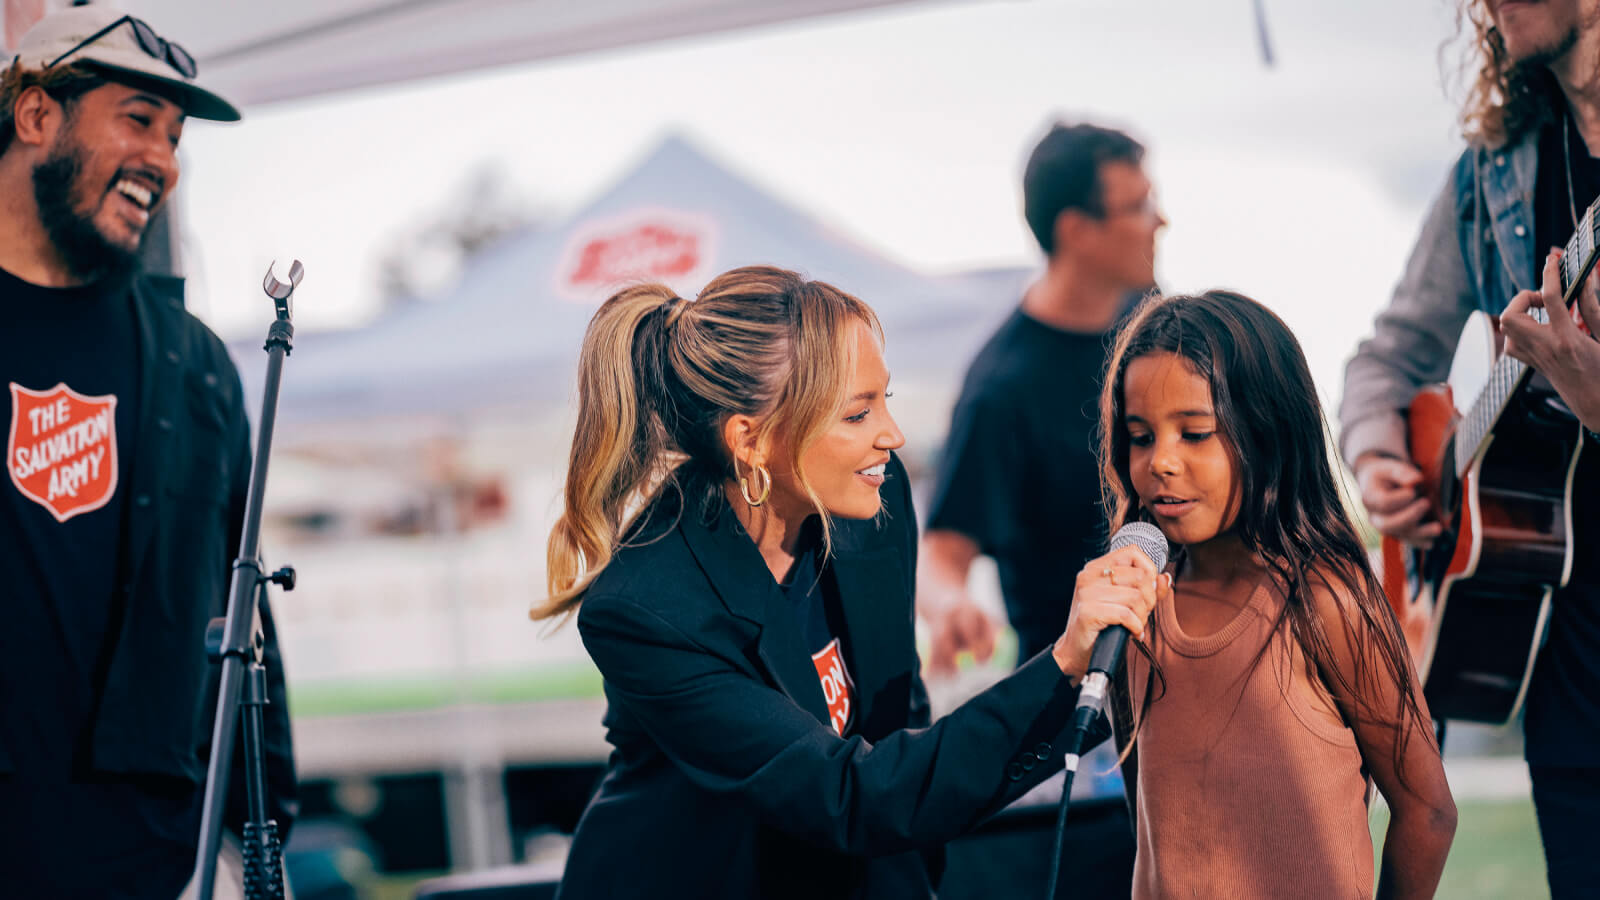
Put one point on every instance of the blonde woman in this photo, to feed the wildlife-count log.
(738, 544)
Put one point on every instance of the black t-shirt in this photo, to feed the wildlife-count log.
(1562, 727)
(68, 359)
(1019, 474)
(69, 364)
(815, 601)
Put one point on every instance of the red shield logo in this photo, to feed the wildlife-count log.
(62, 450)
(655, 245)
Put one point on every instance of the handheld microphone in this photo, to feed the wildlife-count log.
(1109, 645)
(1103, 661)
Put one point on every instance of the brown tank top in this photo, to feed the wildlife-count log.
(1250, 783)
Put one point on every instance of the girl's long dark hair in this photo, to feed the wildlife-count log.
(1291, 508)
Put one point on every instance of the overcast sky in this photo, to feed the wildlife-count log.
(1301, 184)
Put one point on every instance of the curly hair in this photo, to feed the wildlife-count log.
(65, 85)
(1504, 99)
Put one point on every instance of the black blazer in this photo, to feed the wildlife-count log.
(727, 781)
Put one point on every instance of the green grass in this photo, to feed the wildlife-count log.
(1496, 854)
(565, 682)
(396, 887)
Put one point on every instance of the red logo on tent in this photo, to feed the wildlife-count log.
(62, 450)
(651, 246)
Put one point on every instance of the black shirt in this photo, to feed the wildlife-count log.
(66, 355)
(1019, 474)
(69, 363)
(1556, 209)
(1562, 727)
(816, 607)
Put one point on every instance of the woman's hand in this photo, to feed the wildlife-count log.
(1120, 588)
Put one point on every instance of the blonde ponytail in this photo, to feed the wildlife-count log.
(618, 439)
(657, 379)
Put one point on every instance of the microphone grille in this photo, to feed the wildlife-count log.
(1146, 537)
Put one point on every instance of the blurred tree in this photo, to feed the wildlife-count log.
(423, 258)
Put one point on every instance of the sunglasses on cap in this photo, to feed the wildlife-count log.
(151, 43)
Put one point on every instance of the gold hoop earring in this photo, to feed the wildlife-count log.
(760, 474)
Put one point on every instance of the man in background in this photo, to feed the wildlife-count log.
(1018, 479)
(126, 473)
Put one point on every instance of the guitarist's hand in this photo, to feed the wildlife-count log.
(1558, 349)
(1390, 489)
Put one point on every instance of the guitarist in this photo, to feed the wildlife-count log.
(1532, 123)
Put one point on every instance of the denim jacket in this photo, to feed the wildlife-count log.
(1475, 252)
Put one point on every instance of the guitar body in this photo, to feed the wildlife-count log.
(1485, 585)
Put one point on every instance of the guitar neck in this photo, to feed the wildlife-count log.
(1508, 374)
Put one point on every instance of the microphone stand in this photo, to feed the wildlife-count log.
(236, 641)
(1103, 660)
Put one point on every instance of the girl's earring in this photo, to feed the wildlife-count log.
(760, 475)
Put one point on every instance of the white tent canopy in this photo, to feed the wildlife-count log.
(506, 336)
(262, 52)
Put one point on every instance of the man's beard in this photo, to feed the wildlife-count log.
(87, 253)
(1543, 57)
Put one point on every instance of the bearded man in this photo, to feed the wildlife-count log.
(126, 472)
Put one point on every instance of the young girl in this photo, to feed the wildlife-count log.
(1272, 681)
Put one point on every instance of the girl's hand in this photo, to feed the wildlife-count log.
(1120, 588)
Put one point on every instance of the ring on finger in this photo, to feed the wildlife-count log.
(1107, 574)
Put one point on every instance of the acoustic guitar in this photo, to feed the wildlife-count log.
(1498, 476)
